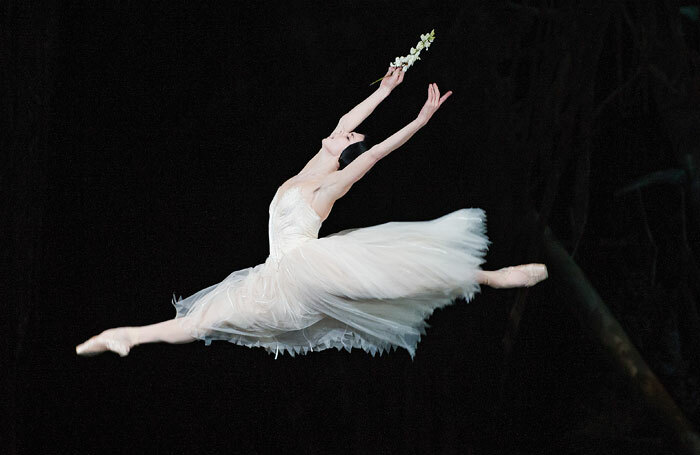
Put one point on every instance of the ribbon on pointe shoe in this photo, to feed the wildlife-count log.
(526, 275)
(535, 273)
(515, 277)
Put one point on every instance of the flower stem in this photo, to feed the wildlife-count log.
(377, 80)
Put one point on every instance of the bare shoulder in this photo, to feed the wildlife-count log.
(308, 184)
(317, 189)
(325, 195)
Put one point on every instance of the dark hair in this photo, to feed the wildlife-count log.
(352, 151)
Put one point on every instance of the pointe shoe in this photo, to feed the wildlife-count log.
(109, 340)
(525, 275)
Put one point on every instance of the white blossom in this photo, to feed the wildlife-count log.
(408, 60)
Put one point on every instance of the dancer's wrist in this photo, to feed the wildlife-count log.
(384, 91)
(420, 122)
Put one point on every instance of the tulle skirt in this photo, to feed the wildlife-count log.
(371, 288)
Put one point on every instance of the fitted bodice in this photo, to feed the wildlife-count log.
(292, 222)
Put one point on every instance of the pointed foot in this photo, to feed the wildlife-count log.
(116, 340)
(525, 275)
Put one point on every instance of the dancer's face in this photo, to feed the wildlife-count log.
(336, 143)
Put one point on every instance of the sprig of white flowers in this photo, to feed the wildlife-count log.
(408, 60)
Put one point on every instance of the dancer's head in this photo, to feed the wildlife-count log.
(353, 150)
(345, 147)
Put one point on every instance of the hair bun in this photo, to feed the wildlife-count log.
(354, 150)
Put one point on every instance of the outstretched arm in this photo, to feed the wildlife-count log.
(397, 139)
(359, 113)
(338, 183)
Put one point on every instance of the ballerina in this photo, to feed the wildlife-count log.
(371, 288)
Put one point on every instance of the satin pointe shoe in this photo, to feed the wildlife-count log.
(115, 340)
(525, 275)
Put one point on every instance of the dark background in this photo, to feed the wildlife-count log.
(146, 141)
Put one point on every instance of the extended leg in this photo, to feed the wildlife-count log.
(167, 332)
(524, 275)
(122, 339)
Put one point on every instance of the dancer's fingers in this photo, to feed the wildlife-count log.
(444, 97)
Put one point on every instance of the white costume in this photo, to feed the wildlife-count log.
(371, 287)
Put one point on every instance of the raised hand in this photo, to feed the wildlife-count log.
(393, 78)
(432, 104)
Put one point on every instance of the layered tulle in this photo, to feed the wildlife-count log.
(371, 288)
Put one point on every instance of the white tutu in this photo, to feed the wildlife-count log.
(371, 288)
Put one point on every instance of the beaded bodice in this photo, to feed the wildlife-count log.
(292, 222)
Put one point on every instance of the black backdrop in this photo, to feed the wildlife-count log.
(155, 137)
